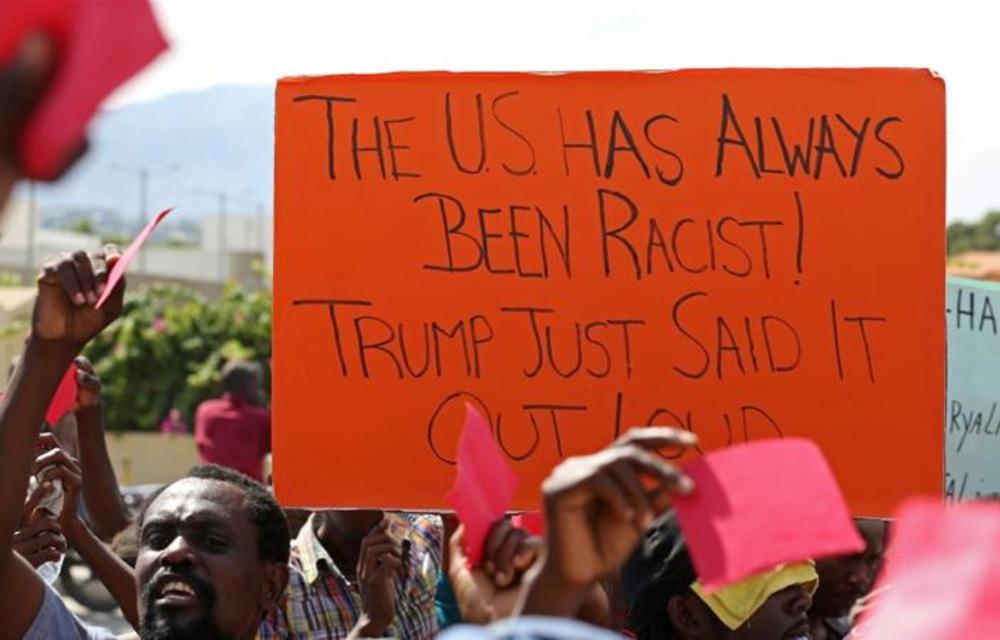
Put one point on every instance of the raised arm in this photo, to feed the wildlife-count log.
(101, 496)
(110, 570)
(63, 320)
(597, 509)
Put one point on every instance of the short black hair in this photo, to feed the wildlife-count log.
(659, 569)
(273, 540)
(236, 375)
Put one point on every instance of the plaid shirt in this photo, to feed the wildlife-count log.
(321, 604)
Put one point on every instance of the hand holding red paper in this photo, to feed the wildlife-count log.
(760, 505)
(484, 484)
(100, 45)
(119, 267)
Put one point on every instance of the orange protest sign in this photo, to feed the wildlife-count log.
(742, 253)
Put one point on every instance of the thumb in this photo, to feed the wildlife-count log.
(34, 500)
(112, 254)
(456, 548)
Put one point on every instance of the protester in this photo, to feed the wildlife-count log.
(844, 581)
(173, 424)
(55, 463)
(366, 572)
(62, 322)
(667, 601)
(233, 431)
(491, 590)
(213, 547)
(213, 557)
(597, 508)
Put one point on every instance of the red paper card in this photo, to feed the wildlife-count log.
(64, 398)
(484, 484)
(118, 270)
(941, 575)
(100, 44)
(760, 505)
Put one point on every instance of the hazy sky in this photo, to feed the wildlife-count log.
(256, 41)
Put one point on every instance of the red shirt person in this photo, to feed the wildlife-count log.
(234, 431)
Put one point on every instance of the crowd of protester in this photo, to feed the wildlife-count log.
(213, 555)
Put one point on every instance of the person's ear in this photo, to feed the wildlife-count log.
(276, 581)
(684, 616)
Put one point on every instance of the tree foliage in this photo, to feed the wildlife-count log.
(168, 349)
(983, 235)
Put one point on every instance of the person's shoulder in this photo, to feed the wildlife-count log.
(55, 620)
(429, 525)
(210, 404)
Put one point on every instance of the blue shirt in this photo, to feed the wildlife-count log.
(54, 620)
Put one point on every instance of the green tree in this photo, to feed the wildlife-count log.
(168, 348)
(83, 225)
(983, 235)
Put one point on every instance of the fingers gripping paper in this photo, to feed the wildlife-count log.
(484, 484)
(118, 269)
(579, 253)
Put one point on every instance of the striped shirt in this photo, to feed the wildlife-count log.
(322, 604)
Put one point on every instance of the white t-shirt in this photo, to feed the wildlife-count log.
(531, 628)
(55, 621)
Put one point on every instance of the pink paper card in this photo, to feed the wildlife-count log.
(760, 505)
(118, 270)
(64, 398)
(941, 576)
(484, 485)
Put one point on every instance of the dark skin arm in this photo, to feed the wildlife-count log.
(40, 538)
(101, 496)
(597, 508)
(62, 323)
(110, 570)
(113, 573)
(379, 566)
(490, 591)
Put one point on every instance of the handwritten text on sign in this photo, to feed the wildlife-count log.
(580, 253)
(972, 423)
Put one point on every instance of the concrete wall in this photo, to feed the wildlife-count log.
(148, 458)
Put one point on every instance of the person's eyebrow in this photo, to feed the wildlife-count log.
(206, 519)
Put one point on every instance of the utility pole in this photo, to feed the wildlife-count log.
(144, 173)
(223, 257)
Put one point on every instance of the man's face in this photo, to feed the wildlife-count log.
(783, 616)
(846, 579)
(199, 572)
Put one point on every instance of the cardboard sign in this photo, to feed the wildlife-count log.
(972, 418)
(580, 253)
